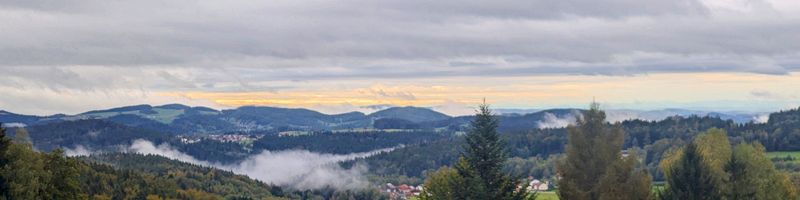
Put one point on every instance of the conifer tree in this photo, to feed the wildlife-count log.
(484, 154)
(690, 178)
(594, 161)
(5, 143)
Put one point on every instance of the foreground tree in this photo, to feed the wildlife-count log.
(64, 176)
(708, 168)
(485, 154)
(444, 184)
(5, 143)
(594, 163)
(25, 173)
(477, 175)
(689, 178)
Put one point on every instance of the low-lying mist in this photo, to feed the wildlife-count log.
(297, 169)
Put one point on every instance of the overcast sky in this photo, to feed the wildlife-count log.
(336, 56)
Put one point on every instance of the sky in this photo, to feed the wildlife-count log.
(358, 55)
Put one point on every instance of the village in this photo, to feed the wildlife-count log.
(235, 138)
(410, 192)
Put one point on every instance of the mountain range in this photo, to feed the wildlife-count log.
(182, 119)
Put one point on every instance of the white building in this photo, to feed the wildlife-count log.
(536, 185)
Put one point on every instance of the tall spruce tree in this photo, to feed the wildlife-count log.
(485, 153)
(594, 159)
(690, 178)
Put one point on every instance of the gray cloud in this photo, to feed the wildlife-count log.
(112, 50)
(291, 40)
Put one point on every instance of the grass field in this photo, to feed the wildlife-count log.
(547, 196)
(783, 154)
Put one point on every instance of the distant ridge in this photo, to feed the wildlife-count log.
(413, 114)
(183, 119)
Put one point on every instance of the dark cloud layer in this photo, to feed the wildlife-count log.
(328, 39)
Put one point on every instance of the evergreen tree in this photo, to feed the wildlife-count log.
(593, 162)
(5, 143)
(484, 154)
(689, 178)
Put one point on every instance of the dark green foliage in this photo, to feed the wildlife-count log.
(31, 175)
(93, 134)
(690, 178)
(5, 143)
(142, 175)
(415, 160)
(64, 174)
(484, 155)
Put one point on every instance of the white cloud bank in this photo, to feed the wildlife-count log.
(762, 118)
(299, 169)
(550, 120)
(79, 150)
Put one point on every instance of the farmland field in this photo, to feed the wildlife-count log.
(547, 196)
(795, 155)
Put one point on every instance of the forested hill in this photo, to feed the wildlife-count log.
(171, 178)
(181, 119)
(186, 120)
(29, 174)
(150, 175)
(90, 133)
(648, 138)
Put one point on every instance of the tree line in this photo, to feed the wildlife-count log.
(594, 167)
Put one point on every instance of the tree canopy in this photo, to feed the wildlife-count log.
(594, 163)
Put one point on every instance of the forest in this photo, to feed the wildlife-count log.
(29, 174)
(531, 152)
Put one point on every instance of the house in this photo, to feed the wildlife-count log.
(537, 185)
(402, 191)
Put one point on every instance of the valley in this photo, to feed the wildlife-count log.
(356, 151)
